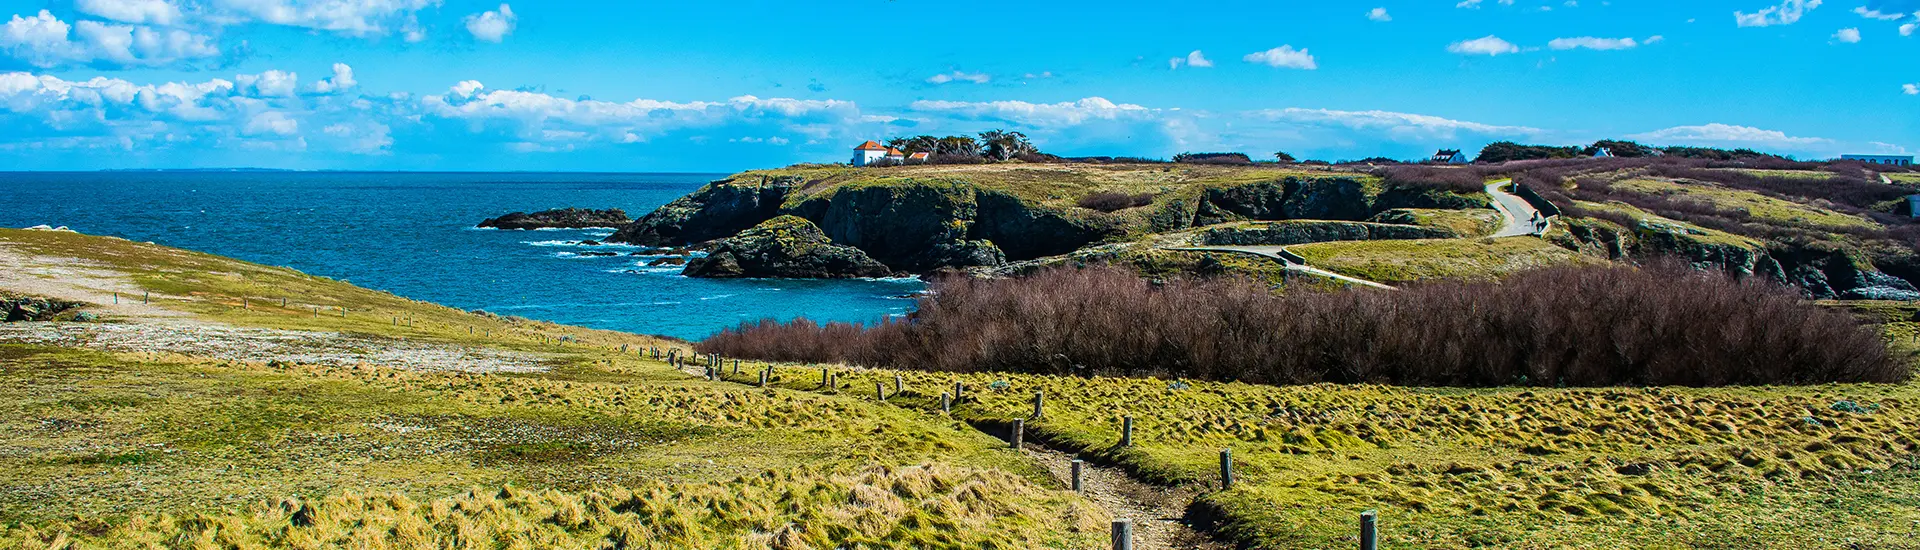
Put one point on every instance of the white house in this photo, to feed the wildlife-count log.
(1449, 156)
(869, 153)
(872, 152)
(1889, 160)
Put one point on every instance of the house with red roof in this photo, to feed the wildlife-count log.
(873, 152)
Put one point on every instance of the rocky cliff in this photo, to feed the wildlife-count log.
(784, 247)
(961, 219)
(1819, 271)
(564, 218)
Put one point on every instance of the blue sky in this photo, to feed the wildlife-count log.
(693, 86)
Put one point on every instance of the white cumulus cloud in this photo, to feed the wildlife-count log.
(1283, 57)
(1717, 133)
(341, 80)
(1194, 58)
(1910, 89)
(959, 76)
(271, 83)
(1787, 13)
(1592, 43)
(1489, 45)
(492, 26)
(1379, 14)
(1847, 36)
(45, 41)
(145, 12)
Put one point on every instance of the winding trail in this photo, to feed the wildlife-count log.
(1158, 512)
(1510, 206)
(1514, 207)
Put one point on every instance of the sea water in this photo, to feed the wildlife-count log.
(413, 234)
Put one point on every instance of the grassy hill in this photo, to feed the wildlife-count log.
(213, 415)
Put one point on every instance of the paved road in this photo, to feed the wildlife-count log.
(1521, 217)
(1280, 254)
(1522, 220)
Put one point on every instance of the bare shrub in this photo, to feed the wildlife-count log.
(1658, 325)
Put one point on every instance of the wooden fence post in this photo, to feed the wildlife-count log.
(1038, 399)
(1369, 535)
(880, 391)
(946, 403)
(897, 387)
(957, 386)
(1122, 534)
(1019, 432)
(1078, 466)
(763, 379)
(1226, 469)
(1126, 431)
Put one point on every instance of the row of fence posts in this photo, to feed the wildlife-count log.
(1122, 528)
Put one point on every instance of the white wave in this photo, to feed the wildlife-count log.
(576, 244)
(718, 297)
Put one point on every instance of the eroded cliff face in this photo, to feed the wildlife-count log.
(923, 225)
(913, 226)
(1819, 272)
(718, 210)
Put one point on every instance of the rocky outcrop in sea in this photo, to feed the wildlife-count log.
(563, 218)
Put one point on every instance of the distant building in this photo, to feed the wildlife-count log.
(1603, 153)
(1890, 160)
(869, 153)
(872, 152)
(1449, 156)
(919, 157)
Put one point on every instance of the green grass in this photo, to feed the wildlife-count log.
(1760, 207)
(1466, 223)
(1695, 232)
(1406, 261)
(127, 450)
(1537, 468)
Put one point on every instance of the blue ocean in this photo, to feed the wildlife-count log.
(413, 234)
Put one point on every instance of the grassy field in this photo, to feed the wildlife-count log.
(173, 448)
(1801, 467)
(1055, 185)
(1759, 206)
(1414, 260)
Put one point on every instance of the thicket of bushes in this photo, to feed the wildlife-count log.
(1415, 176)
(1663, 325)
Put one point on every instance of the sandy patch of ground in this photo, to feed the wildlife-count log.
(262, 345)
(76, 280)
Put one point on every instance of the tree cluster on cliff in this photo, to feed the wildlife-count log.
(989, 146)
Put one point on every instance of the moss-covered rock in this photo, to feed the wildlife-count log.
(784, 247)
(717, 210)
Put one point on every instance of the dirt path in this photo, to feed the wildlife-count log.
(1156, 511)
